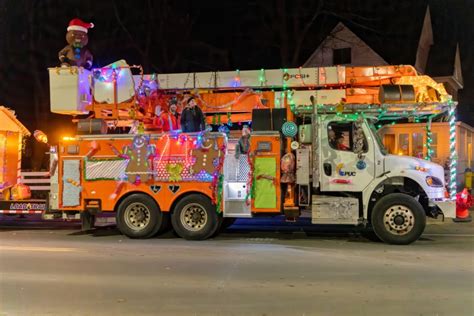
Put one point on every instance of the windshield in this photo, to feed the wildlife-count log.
(376, 135)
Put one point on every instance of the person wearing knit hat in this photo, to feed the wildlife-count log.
(76, 53)
(192, 117)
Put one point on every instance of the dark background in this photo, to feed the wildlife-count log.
(181, 36)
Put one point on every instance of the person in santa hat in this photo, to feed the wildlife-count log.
(76, 53)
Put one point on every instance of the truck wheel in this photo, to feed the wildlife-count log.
(369, 234)
(166, 224)
(195, 218)
(138, 216)
(398, 219)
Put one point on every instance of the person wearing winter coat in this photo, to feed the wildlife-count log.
(192, 117)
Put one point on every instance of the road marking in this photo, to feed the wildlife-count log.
(40, 249)
(449, 235)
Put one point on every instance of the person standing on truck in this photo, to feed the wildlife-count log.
(243, 146)
(192, 117)
(169, 121)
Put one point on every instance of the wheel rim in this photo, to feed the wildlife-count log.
(399, 220)
(193, 217)
(137, 216)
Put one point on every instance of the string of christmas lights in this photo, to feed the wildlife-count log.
(429, 139)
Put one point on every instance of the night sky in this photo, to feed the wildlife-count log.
(180, 36)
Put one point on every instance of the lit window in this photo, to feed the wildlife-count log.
(434, 145)
(417, 145)
(403, 145)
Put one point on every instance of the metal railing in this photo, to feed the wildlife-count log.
(36, 180)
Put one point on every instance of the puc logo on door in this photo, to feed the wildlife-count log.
(343, 173)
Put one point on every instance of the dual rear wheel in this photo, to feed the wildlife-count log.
(194, 217)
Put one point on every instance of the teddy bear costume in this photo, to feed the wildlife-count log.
(76, 53)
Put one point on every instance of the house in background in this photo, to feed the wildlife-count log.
(409, 139)
(11, 142)
(410, 43)
(409, 39)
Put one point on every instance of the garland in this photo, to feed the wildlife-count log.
(218, 180)
(250, 183)
(220, 184)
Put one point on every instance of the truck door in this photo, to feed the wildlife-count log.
(342, 169)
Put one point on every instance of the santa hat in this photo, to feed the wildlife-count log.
(79, 25)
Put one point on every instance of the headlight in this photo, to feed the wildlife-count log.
(434, 182)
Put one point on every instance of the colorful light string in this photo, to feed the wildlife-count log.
(429, 139)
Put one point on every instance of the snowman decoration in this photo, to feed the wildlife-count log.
(76, 53)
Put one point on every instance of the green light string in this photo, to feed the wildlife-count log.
(452, 150)
(429, 140)
(229, 119)
(262, 78)
(220, 184)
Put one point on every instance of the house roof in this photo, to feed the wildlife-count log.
(11, 115)
(395, 37)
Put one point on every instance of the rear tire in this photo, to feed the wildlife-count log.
(195, 218)
(166, 225)
(138, 216)
(398, 219)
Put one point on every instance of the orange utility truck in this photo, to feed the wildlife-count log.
(313, 151)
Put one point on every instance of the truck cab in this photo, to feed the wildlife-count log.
(391, 194)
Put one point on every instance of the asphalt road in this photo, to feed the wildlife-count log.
(257, 267)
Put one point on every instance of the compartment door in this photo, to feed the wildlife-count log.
(71, 183)
(265, 187)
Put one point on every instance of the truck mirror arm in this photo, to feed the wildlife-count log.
(384, 174)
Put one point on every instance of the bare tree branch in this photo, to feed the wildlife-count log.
(124, 28)
(305, 31)
(348, 19)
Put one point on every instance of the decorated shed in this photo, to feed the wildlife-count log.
(12, 133)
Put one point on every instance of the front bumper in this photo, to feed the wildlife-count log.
(446, 206)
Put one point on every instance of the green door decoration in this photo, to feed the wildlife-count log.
(265, 182)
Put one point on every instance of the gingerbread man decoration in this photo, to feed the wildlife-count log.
(138, 156)
(205, 156)
(76, 52)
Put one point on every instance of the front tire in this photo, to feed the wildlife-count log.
(398, 219)
(138, 216)
(195, 218)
